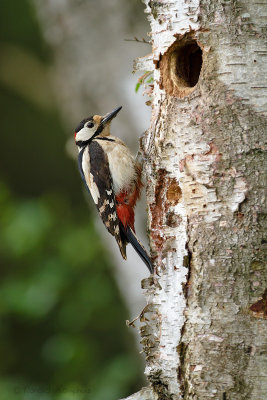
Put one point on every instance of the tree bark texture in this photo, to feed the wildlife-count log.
(203, 328)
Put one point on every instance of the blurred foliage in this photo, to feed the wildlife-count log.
(62, 321)
(145, 79)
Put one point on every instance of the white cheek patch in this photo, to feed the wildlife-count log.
(84, 134)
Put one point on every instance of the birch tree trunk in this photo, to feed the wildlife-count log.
(203, 328)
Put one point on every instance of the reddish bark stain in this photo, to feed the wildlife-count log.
(230, 99)
(213, 151)
(183, 162)
(174, 192)
(167, 193)
(157, 209)
(259, 308)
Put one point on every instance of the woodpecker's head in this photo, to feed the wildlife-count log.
(90, 127)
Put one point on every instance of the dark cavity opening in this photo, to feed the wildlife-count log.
(188, 59)
(180, 66)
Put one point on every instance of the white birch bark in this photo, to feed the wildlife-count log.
(203, 328)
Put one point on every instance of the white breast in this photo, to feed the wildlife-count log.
(121, 164)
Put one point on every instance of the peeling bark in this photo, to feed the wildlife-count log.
(203, 328)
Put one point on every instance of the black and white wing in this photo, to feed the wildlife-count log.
(94, 169)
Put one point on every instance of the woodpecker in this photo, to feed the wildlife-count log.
(113, 178)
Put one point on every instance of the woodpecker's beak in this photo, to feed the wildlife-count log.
(108, 117)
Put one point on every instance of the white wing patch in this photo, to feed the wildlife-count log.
(89, 177)
(93, 189)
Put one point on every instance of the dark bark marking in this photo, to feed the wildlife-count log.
(157, 210)
(259, 309)
(174, 192)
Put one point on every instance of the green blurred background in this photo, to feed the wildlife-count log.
(62, 327)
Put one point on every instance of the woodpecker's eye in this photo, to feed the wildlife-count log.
(90, 125)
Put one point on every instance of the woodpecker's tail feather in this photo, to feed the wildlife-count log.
(131, 238)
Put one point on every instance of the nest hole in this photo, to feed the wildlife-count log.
(181, 67)
(186, 62)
